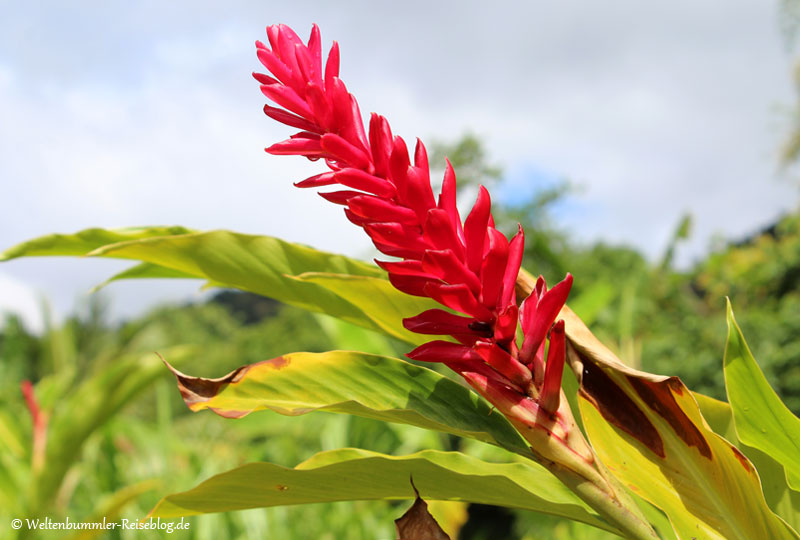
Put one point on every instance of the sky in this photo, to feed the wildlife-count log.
(140, 113)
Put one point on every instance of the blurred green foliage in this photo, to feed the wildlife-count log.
(124, 462)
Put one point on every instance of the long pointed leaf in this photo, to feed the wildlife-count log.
(259, 264)
(353, 383)
(352, 474)
(85, 241)
(762, 420)
(782, 499)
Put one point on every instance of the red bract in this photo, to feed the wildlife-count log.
(469, 267)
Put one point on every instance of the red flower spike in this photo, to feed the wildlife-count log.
(470, 267)
(40, 420)
(30, 400)
(551, 388)
(391, 199)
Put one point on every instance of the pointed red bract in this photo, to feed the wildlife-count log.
(540, 313)
(440, 322)
(556, 354)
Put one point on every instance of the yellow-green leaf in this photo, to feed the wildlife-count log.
(783, 500)
(761, 419)
(353, 383)
(353, 474)
(84, 241)
(650, 433)
(259, 264)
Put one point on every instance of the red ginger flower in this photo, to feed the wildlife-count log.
(470, 267)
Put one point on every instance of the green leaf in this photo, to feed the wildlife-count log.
(386, 305)
(783, 500)
(648, 430)
(333, 284)
(761, 419)
(353, 383)
(81, 243)
(145, 271)
(352, 474)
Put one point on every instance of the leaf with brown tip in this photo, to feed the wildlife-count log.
(417, 523)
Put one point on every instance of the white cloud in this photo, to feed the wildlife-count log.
(19, 298)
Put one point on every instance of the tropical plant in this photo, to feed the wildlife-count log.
(625, 451)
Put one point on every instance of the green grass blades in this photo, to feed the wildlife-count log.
(353, 383)
(649, 431)
(353, 474)
(291, 273)
(88, 407)
(761, 419)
